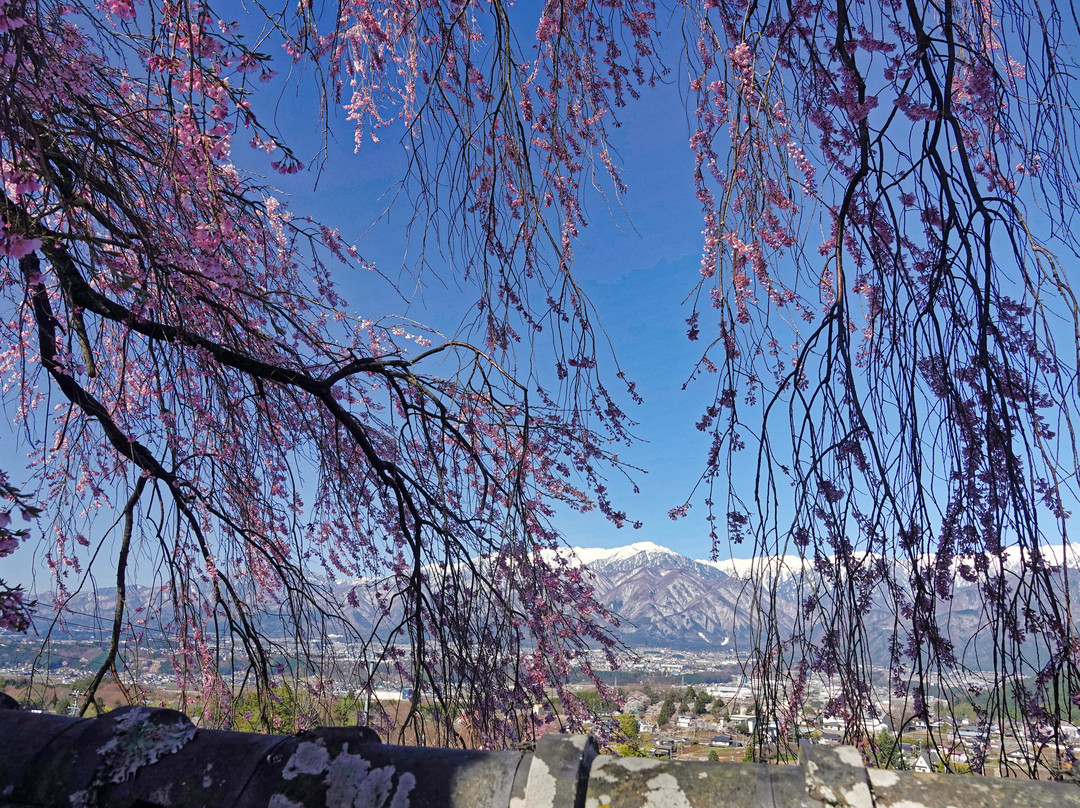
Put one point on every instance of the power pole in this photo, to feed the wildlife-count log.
(367, 693)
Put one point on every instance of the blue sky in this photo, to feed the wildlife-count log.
(637, 263)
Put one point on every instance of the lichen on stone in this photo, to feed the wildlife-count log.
(309, 758)
(141, 737)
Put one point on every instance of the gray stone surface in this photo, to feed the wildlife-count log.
(146, 758)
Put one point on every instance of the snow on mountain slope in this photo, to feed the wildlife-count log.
(645, 554)
(666, 599)
(785, 566)
(641, 550)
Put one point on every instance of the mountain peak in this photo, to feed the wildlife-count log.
(638, 556)
(600, 555)
(644, 546)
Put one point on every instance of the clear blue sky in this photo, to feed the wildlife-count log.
(637, 267)
(637, 264)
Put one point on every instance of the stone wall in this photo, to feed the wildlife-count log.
(138, 757)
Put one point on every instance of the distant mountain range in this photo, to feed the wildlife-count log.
(667, 600)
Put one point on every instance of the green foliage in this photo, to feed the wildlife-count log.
(285, 711)
(955, 768)
(701, 703)
(667, 709)
(886, 750)
(715, 758)
(595, 702)
(631, 731)
(964, 709)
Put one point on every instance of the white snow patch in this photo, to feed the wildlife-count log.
(590, 555)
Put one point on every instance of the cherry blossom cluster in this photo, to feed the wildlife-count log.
(880, 291)
(218, 413)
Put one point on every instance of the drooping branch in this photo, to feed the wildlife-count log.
(912, 357)
(120, 612)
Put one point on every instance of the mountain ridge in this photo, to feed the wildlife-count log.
(665, 599)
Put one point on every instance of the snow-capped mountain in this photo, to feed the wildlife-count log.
(643, 554)
(667, 599)
(782, 567)
(663, 598)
